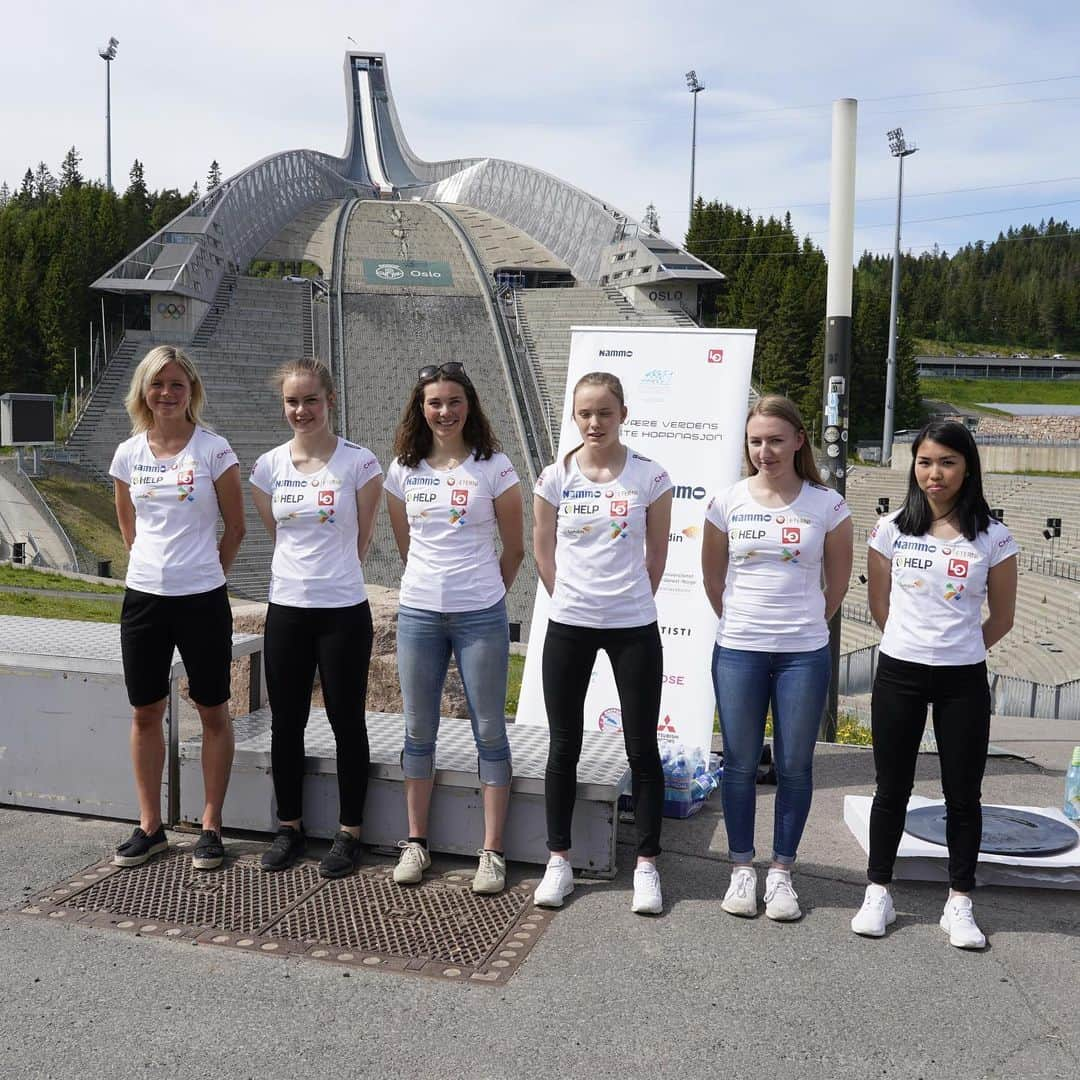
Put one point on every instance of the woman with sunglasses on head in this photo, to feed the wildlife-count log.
(602, 515)
(318, 496)
(931, 565)
(451, 492)
(776, 559)
(173, 479)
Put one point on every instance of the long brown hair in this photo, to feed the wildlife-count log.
(413, 439)
(596, 378)
(782, 408)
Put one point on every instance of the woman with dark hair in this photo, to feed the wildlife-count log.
(930, 565)
(602, 515)
(318, 496)
(173, 480)
(450, 492)
(770, 542)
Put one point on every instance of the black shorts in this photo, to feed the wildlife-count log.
(200, 626)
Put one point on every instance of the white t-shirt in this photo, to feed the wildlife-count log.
(600, 575)
(937, 591)
(773, 600)
(176, 513)
(316, 562)
(453, 563)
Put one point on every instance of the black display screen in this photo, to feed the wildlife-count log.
(32, 422)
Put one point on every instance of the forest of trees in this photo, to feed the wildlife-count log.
(1022, 289)
(57, 235)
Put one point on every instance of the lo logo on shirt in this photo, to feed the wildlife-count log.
(958, 568)
(326, 498)
(186, 477)
(459, 497)
(790, 535)
(619, 507)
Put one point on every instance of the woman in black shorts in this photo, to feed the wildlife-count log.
(172, 479)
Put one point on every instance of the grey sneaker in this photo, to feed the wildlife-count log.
(412, 862)
(490, 874)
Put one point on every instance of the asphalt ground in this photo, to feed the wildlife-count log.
(604, 993)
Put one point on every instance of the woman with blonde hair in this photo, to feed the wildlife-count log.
(602, 515)
(318, 496)
(776, 558)
(172, 479)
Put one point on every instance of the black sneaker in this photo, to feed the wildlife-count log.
(287, 847)
(340, 861)
(139, 847)
(209, 851)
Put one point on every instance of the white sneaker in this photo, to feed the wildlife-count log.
(781, 900)
(490, 874)
(647, 897)
(741, 896)
(876, 913)
(958, 921)
(412, 863)
(557, 885)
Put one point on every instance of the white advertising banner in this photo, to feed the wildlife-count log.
(686, 395)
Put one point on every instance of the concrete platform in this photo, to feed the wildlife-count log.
(604, 993)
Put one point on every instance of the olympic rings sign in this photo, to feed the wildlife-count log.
(172, 311)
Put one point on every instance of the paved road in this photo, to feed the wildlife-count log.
(604, 993)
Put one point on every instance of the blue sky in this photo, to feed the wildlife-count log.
(592, 92)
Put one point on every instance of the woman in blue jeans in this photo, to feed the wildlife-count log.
(776, 557)
(450, 493)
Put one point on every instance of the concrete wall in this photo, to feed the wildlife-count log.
(1015, 457)
(174, 317)
(665, 296)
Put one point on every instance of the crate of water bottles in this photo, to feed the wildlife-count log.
(689, 779)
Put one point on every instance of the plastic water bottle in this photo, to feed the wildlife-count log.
(679, 781)
(697, 762)
(1072, 787)
(702, 786)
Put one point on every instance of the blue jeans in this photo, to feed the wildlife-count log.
(480, 642)
(746, 683)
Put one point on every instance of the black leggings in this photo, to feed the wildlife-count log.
(338, 642)
(637, 660)
(961, 699)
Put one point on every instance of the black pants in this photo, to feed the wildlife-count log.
(638, 663)
(337, 641)
(961, 700)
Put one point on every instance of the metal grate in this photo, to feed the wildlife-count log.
(439, 927)
(441, 921)
(240, 898)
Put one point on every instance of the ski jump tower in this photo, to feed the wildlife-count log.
(181, 266)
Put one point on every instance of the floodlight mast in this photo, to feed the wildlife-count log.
(108, 54)
(899, 149)
(695, 88)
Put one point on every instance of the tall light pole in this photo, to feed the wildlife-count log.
(108, 54)
(900, 150)
(695, 88)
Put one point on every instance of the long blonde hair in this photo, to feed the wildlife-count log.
(782, 408)
(142, 419)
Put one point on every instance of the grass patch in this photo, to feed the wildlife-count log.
(926, 347)
(36, 579)
(513, 684)
(57, 607)
(849, 730)
(87, 513)
(966, 393)
(1040, 472)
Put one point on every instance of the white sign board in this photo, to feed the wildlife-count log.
(686, 394)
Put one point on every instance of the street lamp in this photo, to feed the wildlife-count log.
(695, 88)
(108, 54)
(900, 150)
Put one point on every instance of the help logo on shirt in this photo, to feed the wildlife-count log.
(958, 568)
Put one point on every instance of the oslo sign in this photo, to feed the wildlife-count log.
(406, 272)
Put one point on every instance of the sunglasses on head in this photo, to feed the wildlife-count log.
(452, 369)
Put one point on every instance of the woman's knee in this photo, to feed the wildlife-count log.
(148, 718)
